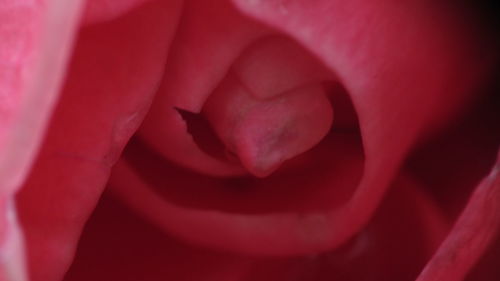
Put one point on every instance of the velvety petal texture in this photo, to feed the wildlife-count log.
(474, 231)
(118, 245)
(97, 11)
(246, 140)
(211, 35)
(401, 95)
(398, 89)
(36, 41)
(115, 70)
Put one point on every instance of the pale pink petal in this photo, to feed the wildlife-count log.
(36, 41)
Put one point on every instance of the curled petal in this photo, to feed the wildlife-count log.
(401, 92)
(210, 37)
(471, 235)
(265, 133)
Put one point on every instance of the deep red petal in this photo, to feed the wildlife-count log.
(118, 245)
(98, 11)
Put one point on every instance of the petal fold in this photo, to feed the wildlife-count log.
(408, 68)
(36, 41)
(114, 73)
(472, 234)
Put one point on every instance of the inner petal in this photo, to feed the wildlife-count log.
(264, 133)
(276, 65)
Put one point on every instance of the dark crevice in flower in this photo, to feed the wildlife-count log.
(486, 12)
(273, 101)
(273, 88)
(320, 179)
(207, 140)
(203, 135)
(388, 248)
(466, 147)
(346, 118)
(487, 268)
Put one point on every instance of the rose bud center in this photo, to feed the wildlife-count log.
(270, 107)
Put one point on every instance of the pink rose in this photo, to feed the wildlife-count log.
(248, 140)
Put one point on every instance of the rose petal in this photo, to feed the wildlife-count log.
(114, 74)
(284, 214)
(97, 11)
(265, 133)
(401, 93)
(210, 37)
(12, 255)
(28, 89)
(453, 163)
(471, 235)
(408, 69)
(36, 40)
(118, 245)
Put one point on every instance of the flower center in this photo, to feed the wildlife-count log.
(270, 107)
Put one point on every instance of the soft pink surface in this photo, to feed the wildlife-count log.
(392, 74)
(114, 73)
(36, 40)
